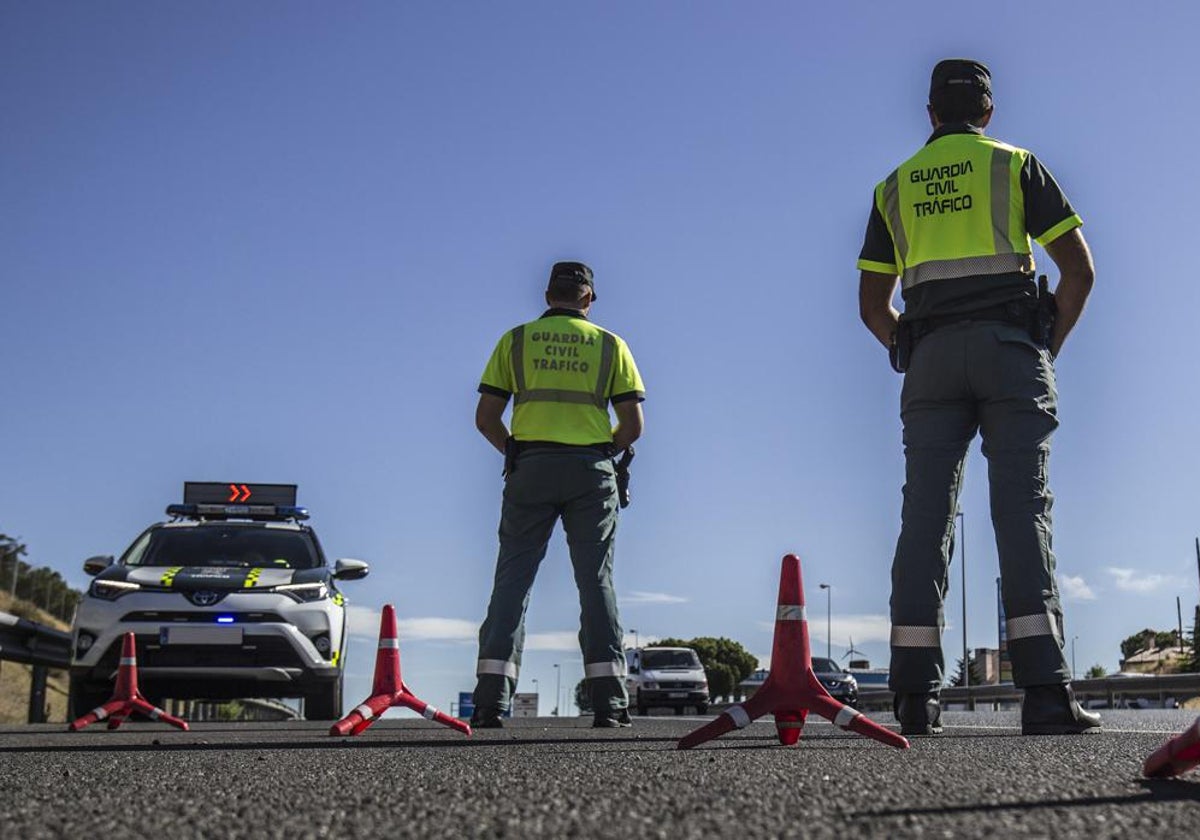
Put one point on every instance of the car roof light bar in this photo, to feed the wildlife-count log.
(264, 513)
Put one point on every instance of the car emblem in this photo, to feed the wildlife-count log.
(204, 597)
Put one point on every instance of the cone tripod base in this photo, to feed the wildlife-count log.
(389, 690)
(127, 699)
(1177, 756)
(791, 690)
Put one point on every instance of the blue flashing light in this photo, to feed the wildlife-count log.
(224, 619)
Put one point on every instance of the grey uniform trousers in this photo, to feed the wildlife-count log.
(989, 377)
(578, 485)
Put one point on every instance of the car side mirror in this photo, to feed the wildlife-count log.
(95, 565)
(348, 569)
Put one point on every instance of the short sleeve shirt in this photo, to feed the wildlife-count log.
(563, 371)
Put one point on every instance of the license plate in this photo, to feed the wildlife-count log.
(201, 635)
(677, 695)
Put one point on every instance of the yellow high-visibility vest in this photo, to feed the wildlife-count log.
(956, 209)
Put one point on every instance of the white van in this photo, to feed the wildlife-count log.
(666, 677)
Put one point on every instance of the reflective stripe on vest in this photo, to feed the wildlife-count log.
(1005, 257)
(596, 397)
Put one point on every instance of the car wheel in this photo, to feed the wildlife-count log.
(324, 702)
(82, 697)
(679, 710)
(643, 710)
(702, 708)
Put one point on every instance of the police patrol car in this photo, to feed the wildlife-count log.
(231, 598)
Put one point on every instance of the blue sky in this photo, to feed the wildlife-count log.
(277, 242)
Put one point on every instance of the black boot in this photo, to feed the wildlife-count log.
(919, 714)
(487, 719)
(1053, 710)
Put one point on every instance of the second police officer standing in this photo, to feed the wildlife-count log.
(977, 343)
(562, 372)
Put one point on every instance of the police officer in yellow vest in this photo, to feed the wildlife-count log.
(562, 372)
(952, 225)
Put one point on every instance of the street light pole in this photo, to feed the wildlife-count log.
(635, 637)
(828, 620)
(1073, 638)
(538, 695)
(557, 687)
(962, 537)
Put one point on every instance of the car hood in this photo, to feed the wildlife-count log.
(217, 578)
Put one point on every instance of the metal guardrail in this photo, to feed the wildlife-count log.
(30, 643)
(1113, 690)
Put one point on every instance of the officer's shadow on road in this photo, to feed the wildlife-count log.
(1155, 791)
(96, 743)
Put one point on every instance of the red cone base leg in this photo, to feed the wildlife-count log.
(792, 690)
(1176, 756)
(126, 698)
(389, 689)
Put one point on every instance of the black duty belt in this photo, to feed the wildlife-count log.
(1014, 312)
(530, 445)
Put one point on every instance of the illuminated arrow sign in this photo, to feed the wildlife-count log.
(238, 493)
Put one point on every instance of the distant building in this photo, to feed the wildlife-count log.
(1166, 660)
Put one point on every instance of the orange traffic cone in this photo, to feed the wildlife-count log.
(126, 698)
(1176, 756)
(792, 690)
(389, 689)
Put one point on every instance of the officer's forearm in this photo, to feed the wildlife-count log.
(1074, 260)
(875, 292)
(629, 424)
(489, 420)
(496, 434)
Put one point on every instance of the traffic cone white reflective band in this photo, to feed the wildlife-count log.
(1028, 626)
(388, 644)
(155, 713)
(132, 660)
(740, 719)
(100, 712)
(430, 713)
(790, 612)
(365, 711)
(845, 717)
(911, 636)
(604, 669)
(499, 667)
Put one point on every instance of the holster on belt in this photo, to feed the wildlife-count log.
(621, 465)
(511, 450)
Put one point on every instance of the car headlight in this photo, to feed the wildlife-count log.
(111, 590)
(834, 683)
(650, 685)
(304, 592)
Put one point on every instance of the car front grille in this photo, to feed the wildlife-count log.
(260, 652)
(179, 616)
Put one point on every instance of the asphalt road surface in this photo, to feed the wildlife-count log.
(557, 777)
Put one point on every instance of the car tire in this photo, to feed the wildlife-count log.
(643, 710)
(82, 697)
(324, 702)
(679, 710)
(701, 708)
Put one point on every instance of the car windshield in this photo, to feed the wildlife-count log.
(821, 665)
(655, 659)
(224, 545)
